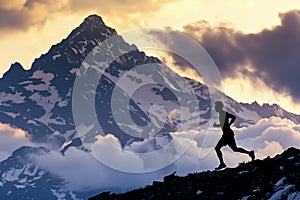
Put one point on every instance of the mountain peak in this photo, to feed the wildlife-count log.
(95, 24)
(15, 70)
(91, 32)
(92, 28)
(94, 19)
(16, 67)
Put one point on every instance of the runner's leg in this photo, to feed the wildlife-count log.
(232, 145)
(221, 143)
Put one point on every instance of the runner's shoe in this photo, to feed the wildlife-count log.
(221, 166)
(252, 155)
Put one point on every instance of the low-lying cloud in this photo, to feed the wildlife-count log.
(83, 172)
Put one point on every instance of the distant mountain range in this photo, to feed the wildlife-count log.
(39, 101)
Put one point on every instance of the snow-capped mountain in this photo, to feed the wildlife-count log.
(249, 114)
(266, 111)
(39, 100)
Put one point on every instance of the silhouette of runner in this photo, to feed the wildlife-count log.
(226, 119)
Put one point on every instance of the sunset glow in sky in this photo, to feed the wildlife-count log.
(244, 37)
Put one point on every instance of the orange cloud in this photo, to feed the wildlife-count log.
(24, 14)
(15, 132)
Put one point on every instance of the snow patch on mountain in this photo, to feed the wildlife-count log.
(16, 98)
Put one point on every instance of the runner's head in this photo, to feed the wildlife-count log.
(219, 106)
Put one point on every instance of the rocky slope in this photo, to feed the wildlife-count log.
(271, 178)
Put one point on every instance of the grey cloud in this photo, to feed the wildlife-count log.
(83, 172)
(273, 54)
(18, 15)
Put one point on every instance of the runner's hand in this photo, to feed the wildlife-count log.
(215, 124)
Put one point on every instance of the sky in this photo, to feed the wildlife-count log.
(254, 43)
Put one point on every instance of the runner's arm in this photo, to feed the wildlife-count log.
(231, 117)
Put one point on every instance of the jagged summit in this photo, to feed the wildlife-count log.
(16, 70)
(268, 110)
(93, 27)
(95, 23)
(90, 33)
(96, 19)
(271, 178)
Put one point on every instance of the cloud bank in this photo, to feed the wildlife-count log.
(83, 172)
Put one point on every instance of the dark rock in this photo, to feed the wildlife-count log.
(276, 177)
